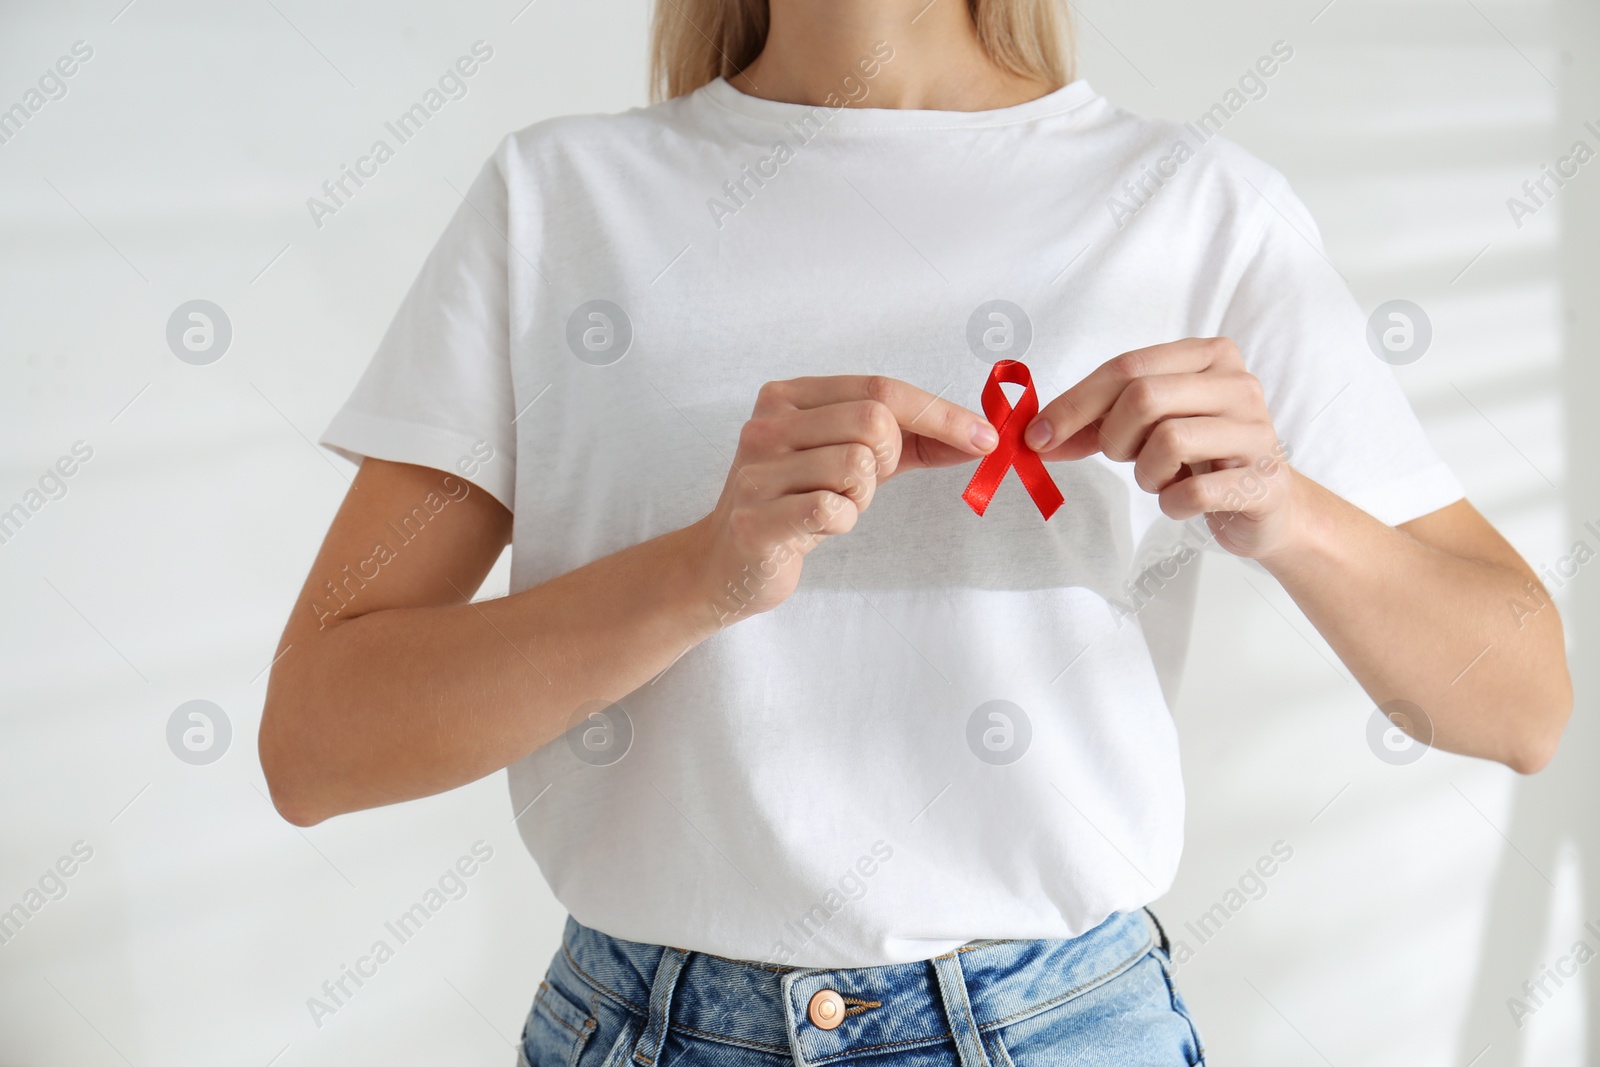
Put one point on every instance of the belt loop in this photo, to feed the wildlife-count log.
(958, 1010)
(1166, 946)
(648, 1049)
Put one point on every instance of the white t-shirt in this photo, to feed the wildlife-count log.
(829, 784)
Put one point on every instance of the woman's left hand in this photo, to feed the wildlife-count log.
(1195, 425)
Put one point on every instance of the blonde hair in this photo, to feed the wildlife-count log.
(693, 42)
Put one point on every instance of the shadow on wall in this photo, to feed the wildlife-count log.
(1555, 813)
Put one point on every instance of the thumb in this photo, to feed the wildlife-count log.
(919, 451)
(1081, 445)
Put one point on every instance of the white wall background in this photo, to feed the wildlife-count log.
(1419, 898)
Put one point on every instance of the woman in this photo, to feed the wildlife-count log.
(818, 781)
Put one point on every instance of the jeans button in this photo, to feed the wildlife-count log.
(826, 1011)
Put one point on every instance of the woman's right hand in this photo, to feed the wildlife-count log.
(810, 459)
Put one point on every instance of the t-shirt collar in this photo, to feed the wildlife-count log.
(721, 93)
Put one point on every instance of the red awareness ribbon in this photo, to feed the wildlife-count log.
(1011, 451)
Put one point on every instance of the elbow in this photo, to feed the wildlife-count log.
(293, 809)
(290, 796)
(1531, 760)
(1539, 737)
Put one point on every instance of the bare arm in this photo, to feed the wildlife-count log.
(410, 690)
(1440, 612)
(390, 685)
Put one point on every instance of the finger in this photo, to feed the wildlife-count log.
(849, 469)
(913, 409)
(1177, 443)
(1149, 400)
(1081, 445)
(1090, 400)
(925, 452)
(865, 421)
(804, 519)
(1232, 491)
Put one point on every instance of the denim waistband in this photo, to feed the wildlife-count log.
(761, 1006)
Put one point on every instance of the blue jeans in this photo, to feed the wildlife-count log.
(1102, 999)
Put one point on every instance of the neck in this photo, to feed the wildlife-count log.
(817, 48)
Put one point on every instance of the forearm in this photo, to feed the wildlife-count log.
(408, 702)
(1418, 623)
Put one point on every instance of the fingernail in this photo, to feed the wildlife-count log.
(985, 436)
(1039, 434)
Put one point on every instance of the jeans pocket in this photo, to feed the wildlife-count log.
(622, 1046)
(557, 1029)
(1181, 1008)
(999, 1056)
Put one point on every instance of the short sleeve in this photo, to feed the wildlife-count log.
(1336, 406)
(437, 392)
